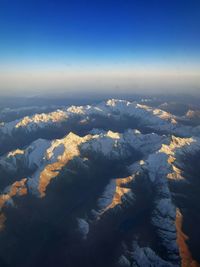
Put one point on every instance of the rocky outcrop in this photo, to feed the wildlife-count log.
(185, 254)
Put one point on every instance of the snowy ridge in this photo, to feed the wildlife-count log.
(147, 115)
(42, 152)
(160, 166)
(30, 158)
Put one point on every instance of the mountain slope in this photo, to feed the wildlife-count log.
(100, 197)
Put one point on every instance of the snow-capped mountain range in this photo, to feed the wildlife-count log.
(156, 119)
(150, 154)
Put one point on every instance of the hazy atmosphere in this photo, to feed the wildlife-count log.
(99, 46)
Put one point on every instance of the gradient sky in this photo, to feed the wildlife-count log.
(92, 45)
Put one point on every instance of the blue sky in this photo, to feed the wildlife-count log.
(98, 36)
